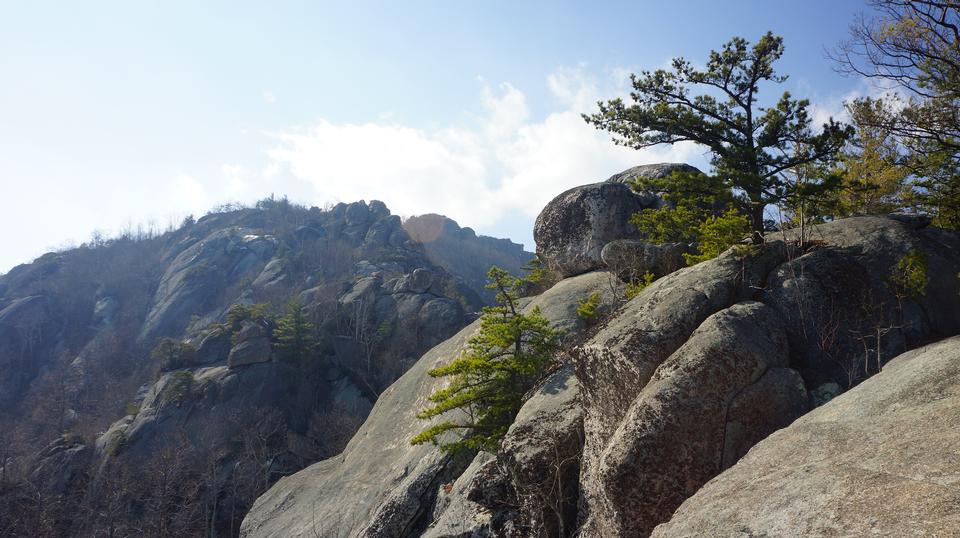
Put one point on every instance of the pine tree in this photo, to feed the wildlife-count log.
(294, 334)
(504, 360)
(752, 145)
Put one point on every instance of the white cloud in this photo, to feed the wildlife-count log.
(269, 97)
(499, 165)
(824, 108)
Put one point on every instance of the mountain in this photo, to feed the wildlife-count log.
(160, 382)
(259, 373)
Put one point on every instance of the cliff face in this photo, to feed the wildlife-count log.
(78, 350)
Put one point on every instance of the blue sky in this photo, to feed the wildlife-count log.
(124, 112)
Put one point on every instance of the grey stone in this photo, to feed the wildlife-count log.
(630, 259)
(357, 213)
(696, 414)
(272, 275)
(845, 275)
(59, 464)
(104, 311)
(214, 346)
(250, 351)
(198, 274)
(573, 228)
(879, 460)
(419, 281)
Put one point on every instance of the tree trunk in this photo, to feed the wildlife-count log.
(756, 223)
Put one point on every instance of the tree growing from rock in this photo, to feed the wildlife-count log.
(171, 354)
(752, 146)
(295, 334)
(509, 354)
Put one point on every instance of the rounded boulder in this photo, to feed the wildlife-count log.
(573, 228)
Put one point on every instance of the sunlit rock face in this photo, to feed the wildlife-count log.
(878, 460)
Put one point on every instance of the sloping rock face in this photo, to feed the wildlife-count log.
(879, 460)
(23, 323)
(736, 359)
(204, 269)
(381, 485)
(530, 487)
(471, 508)
(59, 465)
(675, 390)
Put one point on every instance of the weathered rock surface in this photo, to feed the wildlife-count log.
(23, 321)
(541, 456)
(674, 437)
(471, 505)
(828, 287)
(250, 351)
(381, 485)
(573, 228)
(59, 465)
(200, 272)
(530, 487)
(77, 328)
(879, 460)
(630, 259)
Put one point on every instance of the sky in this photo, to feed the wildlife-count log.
(126, 112)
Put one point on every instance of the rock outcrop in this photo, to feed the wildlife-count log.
(60, 465)
(666, 394)
(879, 460)
(629, 483)
(381, 485)
(573, 229)
(631, 259)
(727, 387)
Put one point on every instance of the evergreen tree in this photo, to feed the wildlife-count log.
(294, 334)
(504, 360)
(752, 146)
(701, 211)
